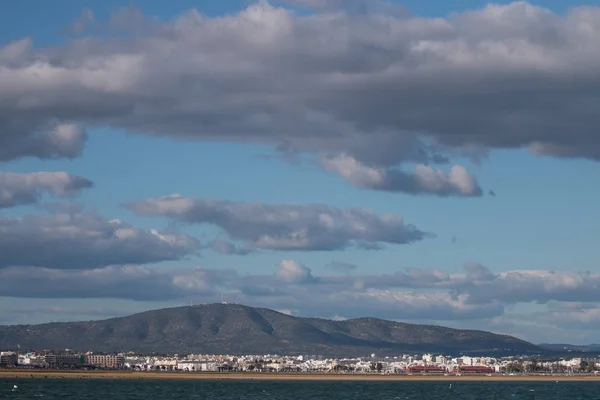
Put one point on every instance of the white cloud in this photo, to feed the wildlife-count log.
(423, 180)
(290, 271)
(284, 226)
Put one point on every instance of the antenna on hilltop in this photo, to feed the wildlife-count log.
(223, 299)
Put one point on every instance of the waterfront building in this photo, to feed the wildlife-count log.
(109, 361)
(8, 359)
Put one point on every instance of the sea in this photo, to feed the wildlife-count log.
(89, 389)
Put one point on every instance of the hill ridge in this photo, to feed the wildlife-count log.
(239, 329)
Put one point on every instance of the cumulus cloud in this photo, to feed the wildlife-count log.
(83, 240)
(285, 227)
(384, 89)
(290, 271)
(423, 180)
(21, 189)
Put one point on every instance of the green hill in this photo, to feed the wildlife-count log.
(237, 329)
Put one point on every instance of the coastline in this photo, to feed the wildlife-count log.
(136, 375)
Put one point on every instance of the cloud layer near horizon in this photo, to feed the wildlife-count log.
(380, 89)
(410, 294)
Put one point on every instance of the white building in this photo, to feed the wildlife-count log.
(468, 361)
(197, 366)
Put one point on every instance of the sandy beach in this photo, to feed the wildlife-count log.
(49, 374)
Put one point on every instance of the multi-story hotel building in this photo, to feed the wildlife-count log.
(109, 361)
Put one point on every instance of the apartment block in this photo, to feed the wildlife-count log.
(109, 361)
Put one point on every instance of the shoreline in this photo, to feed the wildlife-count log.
(137, 375)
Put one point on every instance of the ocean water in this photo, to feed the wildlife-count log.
(51, 389)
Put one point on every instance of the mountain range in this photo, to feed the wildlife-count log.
(238, 329)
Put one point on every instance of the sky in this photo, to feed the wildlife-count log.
(422, 161)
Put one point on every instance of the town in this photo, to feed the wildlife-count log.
(371, 364)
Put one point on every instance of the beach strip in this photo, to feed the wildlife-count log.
(137, 375)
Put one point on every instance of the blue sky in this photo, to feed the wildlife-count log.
(543, 216)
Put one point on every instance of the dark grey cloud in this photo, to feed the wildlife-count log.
(83, 240)
(120, 282)
(285, 227)
(383, 89)
(21, 189)
(24, 139)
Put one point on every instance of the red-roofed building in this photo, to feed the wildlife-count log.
(426, 369)
(476, 369)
